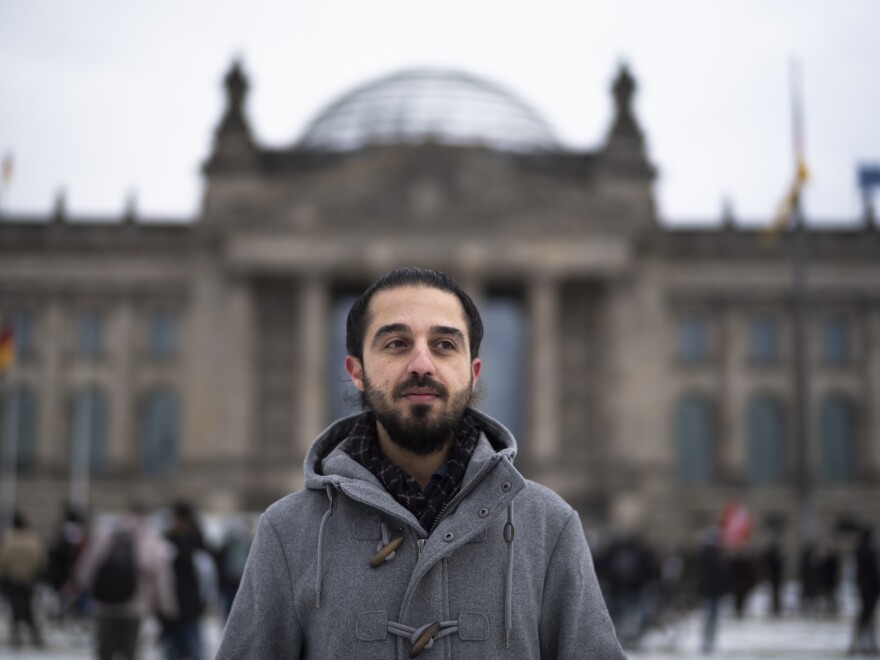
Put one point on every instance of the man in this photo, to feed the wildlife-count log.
(128, 572)
(194, 588)
(22, 561)
(415, 534)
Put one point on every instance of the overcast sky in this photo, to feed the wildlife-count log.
(105, 98)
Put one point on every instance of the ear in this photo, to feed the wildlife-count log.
(476, 368)
(356, 371)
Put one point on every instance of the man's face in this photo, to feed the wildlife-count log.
(417, 374)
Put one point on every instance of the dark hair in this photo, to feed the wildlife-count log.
(358, 317)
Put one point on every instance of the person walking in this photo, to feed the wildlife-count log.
(22, 562)
(182, 633)
(864, 638)
(127, 570)
(712, 583)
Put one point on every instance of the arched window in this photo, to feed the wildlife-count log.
(694, 435)
(838, 443)
(765, 429)
(19, 419)
(160, 432)
(88, 431)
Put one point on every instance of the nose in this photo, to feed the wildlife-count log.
(421, 362)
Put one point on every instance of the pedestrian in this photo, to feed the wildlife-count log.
(22, 562)
(193, 585)
(414, 531)
(773, 568)
(743, 576)
(629, 566)
(127, 570)
(68, 543)
(864, 638)
(809, 576)
(711, 583)
(231, 559)
(829, 577)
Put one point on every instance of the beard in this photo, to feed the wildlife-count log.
(418, 430)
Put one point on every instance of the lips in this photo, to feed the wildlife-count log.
(420, 390)
(420, 397)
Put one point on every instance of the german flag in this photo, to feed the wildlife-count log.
(7, 347)
(783, 215)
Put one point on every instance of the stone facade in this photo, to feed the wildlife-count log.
(570, 239)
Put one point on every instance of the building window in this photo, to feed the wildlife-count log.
(503, 354)
(22, 324)
(19, 419)
(90, 336)
(836, 340)
(765, 430)
(763, 340)
(88, 441)
(163, 334)
(838, 429)
(343, 398)
(693, 340)
(694, 430)
(160, 432)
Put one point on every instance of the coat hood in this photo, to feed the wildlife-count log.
(322, 469)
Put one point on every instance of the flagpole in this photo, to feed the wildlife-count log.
(800, 259)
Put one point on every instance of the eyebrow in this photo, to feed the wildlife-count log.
(394, 328)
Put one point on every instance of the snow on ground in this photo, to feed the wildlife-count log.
(756, 637)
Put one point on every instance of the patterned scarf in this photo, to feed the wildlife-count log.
(363, 446)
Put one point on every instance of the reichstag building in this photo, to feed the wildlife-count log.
(645, 370)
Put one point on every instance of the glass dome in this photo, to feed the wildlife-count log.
(428, 105)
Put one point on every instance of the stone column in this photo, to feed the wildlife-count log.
(311, 390)
(240, 363)
(124, 448)
(54, 434)
(871, 420)
(543, 300)
(730, 454)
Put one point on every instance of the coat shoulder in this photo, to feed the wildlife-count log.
(539, 503)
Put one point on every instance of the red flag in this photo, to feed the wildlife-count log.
(7, 347)
(736, 525)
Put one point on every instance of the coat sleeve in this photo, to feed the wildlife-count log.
(263, 623)
(574, 619)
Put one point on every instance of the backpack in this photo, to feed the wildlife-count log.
(116, 576)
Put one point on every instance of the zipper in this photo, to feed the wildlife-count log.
(478, 477)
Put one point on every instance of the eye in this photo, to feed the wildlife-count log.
(395, 343)
(446, 345)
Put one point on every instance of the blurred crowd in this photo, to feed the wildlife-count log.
(646, 589)
(113, 573)
(116, 572)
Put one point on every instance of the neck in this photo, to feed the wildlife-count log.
(421, 467)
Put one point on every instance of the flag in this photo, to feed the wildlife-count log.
(783, 213)
(801, 173)
(7, 347)
(736, 525)
(7, 169)
(869, 177)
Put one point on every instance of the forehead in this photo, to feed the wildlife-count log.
(419, 307)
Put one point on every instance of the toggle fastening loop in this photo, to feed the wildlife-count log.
(386, 550)
(424, 640)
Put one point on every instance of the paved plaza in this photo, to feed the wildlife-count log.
(756, 637)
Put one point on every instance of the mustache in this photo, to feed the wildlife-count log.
(422, 382)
